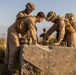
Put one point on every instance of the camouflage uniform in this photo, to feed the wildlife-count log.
(26, 24)
(29, 7)
(20, 15)
(13, 38)
(70, 38)
(64, 29)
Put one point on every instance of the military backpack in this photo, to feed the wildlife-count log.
(21, 26)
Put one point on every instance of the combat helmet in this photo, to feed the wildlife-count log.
(51, 16)
(70, 16)
(30, 6)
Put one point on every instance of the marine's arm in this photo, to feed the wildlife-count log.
(50, 31)
(32, 31)
(61, 31)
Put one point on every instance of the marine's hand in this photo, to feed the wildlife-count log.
(56, 44)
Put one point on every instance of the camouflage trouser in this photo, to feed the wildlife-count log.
(12, 48)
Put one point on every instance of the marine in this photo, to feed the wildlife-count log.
(62, 26)
(28, 24)
(42, 35)
(29, 8)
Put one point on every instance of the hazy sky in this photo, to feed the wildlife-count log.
(10, 8)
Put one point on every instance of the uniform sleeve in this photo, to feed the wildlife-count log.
(32, 30)
(50, 31)
(61, 30)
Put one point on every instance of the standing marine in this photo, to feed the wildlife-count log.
(28, 24)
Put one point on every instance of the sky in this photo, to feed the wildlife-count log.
(10, 8)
